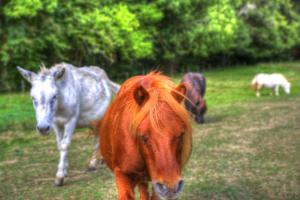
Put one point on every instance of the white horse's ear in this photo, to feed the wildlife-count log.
(28, 75)
(58, 73)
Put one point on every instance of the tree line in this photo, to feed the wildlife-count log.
(132, 36)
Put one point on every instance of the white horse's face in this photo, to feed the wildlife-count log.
(44, 98)
(44, 94)
(287, 88)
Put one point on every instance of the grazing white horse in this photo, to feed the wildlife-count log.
(65, 97)
(272, 81)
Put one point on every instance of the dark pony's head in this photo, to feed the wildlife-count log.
(199, 108)
(162, 129)
(195, 102)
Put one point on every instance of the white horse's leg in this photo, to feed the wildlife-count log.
(276, 90)
(258, 87)
(257, 93)
(63, 148)
(95, 157)
(58, 134)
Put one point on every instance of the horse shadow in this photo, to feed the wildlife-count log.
(212, 119)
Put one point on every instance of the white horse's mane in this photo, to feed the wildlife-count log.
(44, 70)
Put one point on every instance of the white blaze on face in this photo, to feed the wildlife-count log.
(44, 98)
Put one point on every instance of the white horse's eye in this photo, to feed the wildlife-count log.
(34, 101)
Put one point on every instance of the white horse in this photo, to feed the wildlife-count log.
(65, 97)
(272, 81)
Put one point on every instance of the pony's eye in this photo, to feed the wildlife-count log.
(145, 138)
(180, 135)
(178, 138)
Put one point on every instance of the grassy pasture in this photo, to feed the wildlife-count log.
(248, 149)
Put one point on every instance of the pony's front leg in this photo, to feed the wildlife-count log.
(143, 189)
(124, 184)
(63, 149)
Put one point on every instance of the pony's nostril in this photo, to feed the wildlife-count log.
(179, 186)
(161, 189)
(200, 120)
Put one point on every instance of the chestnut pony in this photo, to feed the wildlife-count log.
(146, 136)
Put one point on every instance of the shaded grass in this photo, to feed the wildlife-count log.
(248, 149)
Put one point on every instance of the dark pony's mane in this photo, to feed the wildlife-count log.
(159, 88)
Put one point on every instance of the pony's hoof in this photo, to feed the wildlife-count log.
(59, 182)
(102, 161)
(91, 169)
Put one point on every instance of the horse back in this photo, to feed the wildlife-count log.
(85, 91)
(195, 82)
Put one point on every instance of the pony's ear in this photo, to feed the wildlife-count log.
(179, 92)
(58, 73)
(140, 95)
(28, 75)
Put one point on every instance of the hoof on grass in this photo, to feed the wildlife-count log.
(91, 169)
(59, 182)
(102, 161)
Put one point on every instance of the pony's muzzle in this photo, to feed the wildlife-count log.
(43, 129)
(199, 119)
(165, 192)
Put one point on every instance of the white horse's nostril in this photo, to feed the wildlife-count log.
(43, 129)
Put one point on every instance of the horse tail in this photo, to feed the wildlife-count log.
(113, 86)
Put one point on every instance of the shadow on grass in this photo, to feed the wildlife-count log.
(83, 176)
(211, 119)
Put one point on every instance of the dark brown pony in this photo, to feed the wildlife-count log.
(195, 103)
(146, 136)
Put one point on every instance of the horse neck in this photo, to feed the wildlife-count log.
(66, 84)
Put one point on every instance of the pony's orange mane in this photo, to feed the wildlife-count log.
(159, 88)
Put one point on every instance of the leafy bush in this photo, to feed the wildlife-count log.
(129, 37)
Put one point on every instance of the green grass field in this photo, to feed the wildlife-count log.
(248, 149)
